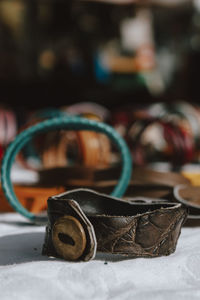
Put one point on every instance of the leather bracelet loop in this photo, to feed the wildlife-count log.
(69, 123)
(30, 148)
(91, 149)
(136, 228)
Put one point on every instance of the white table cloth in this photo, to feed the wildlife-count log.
(26, 274)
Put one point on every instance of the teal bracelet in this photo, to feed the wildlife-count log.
(68, 123)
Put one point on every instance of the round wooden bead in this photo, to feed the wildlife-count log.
(69, 238)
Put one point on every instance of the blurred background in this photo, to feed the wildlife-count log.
(134, 64)
(60, 52)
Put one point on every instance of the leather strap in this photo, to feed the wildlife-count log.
(144, 181)
(138, 228)
(141, 174)
(93, 149)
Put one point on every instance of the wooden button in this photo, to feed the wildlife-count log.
(69, 238)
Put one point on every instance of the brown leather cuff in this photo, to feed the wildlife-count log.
(81, 222)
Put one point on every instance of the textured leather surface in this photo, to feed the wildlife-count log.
(139, 227)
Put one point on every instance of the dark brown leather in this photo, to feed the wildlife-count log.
(138, 228)
(63, 175)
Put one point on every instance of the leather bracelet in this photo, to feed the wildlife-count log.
(70, 123)
(54, 152)
(93, 149)
(31, 149)
(81, 222)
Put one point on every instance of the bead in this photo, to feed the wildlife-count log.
(69, 238)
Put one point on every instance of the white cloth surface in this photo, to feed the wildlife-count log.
(26, 274)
